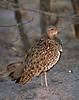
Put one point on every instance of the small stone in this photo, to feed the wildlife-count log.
(70, 71)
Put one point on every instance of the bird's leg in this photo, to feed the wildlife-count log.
(45, 79)
(41, 79)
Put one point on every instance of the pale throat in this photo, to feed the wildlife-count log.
(53, 34)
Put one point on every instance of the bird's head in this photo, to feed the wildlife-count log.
(51, 32)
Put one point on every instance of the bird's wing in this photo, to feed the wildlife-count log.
(32, 59)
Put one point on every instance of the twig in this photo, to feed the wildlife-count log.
(19, 24)
(37, 11)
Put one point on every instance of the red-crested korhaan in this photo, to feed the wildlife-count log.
(43, 56)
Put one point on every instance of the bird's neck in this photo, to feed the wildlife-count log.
(56, 38)
(52, 37)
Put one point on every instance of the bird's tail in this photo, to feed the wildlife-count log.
(15, 70)
(27, 75)
(20, 72)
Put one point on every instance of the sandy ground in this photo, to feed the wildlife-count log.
(63, 79)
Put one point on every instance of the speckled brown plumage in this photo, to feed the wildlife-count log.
(42, 56)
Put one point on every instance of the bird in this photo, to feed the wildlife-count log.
(40, 58)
